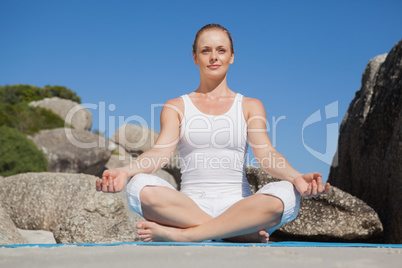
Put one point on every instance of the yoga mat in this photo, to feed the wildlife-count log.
(216, 244)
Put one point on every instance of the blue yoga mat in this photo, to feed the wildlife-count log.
(216, 244)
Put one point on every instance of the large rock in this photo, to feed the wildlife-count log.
(94, 228)
(137, 139)
(43, 201)
(370, 143)
(117, 161)
(337, 216)
(73, 113)
(74, 151)
(9, 234)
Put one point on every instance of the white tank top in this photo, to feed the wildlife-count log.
(213, 150)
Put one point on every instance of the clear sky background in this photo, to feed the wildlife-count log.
(297, 57)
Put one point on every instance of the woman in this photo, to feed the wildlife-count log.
(212, 128)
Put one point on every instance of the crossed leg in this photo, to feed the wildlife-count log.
(175, 217)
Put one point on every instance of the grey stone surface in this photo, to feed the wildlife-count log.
(166, 176)
(9, 234)
(117, 161)
(37, 236)
(73, 113)
(136, 139)
(370, 143)
(74, 151)
(95, 228)
(257, 178)
(43, 201)
(337, 216)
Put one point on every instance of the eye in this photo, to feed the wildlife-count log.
(222, 50)
(204, 51)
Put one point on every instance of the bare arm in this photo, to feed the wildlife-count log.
(271, 161)
(152, 160)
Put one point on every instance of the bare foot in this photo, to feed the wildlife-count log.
(152, 232)
(261, 237)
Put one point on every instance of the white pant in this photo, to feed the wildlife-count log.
(214, 203)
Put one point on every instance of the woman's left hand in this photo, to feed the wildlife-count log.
(310, 185)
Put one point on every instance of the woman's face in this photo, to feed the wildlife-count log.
(213, 55)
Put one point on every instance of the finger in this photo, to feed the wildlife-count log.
(308, 191)
(320, 187)
(314, 190)
(327, 188)
(106, 173)
(98, 185)
(104, 185)
(111, 185)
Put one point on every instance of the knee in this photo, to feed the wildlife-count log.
(278, 207)
(275, 208)
(148, 196)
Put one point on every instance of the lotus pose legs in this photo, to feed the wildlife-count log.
(251, 215)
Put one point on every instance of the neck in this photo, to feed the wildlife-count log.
(215, 87)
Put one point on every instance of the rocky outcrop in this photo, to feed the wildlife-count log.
(94, 228)
(337, 216)
(257, 178)
(167, 177)
(9, 234)
(43, 201)
(136, 139)
(73, 113)
(74, 151)
(370, 143)
(117, 161)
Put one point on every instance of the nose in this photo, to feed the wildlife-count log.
(213, 57)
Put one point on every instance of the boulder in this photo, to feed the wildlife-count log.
(166, 176)
(136, 139)
(37, 236)
(117, 161)
(370, 143)
(94, 228)
(9, 234)
(337, 216)
(257, 178)
(43, 201)
(72, 113)
(74, 151)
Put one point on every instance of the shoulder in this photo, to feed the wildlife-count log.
(253, 107)
(174, 107)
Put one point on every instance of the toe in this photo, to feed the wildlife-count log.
(143, 232)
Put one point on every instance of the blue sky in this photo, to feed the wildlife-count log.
(297, 57)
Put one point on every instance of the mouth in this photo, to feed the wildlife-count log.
(213, 66)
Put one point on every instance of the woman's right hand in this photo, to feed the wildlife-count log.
(113, 181)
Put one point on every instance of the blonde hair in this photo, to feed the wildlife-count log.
(210, 27)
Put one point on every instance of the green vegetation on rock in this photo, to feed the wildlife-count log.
(28, 119)
(15, 94)
(19, 154)
(16, 113)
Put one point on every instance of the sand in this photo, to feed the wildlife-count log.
(197, 256)
(191, 256)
